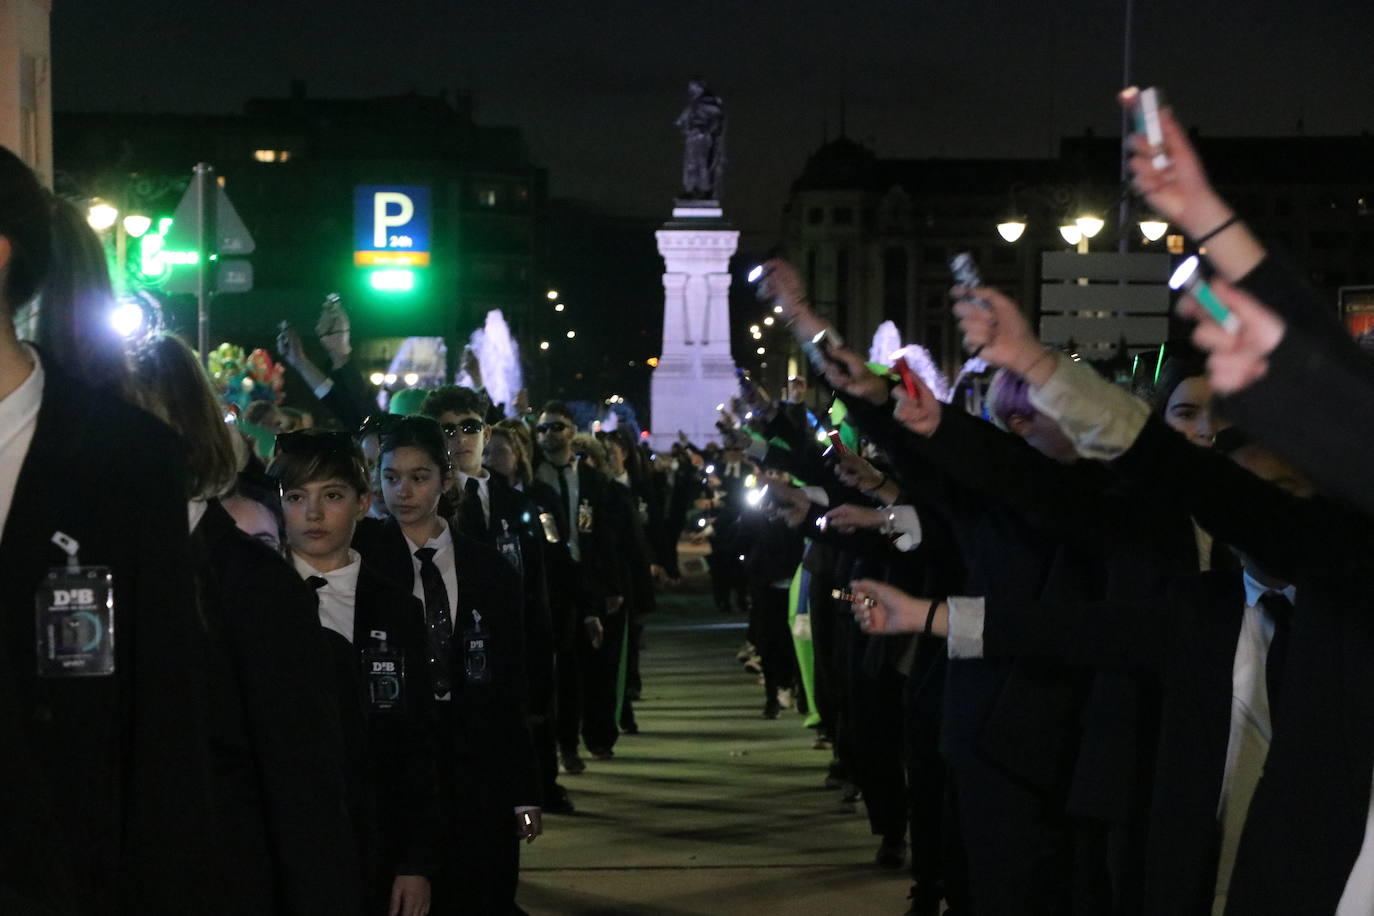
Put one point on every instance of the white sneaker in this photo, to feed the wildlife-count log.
(785, 698)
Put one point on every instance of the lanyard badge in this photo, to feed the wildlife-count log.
(384, 672)
(509, 546)
(550, 526)
(75, 618)
(584, 517)
(476, 643)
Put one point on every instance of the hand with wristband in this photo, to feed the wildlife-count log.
(885, 609)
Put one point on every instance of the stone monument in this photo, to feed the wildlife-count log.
(695, 370)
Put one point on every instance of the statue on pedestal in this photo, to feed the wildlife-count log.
(702, 124)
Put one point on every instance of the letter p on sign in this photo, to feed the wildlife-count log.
(384, 218)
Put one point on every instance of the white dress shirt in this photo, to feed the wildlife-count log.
(1251, 729)
(18, 418)
(339, 594)
(448, 570)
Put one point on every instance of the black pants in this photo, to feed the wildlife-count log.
(822, 608)
(774, 639)
(879, 767)
(727, 578)
(568, 673)
(1017, 844)
(600, 673)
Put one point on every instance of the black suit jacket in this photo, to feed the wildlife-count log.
(599, 569)
(401, 762)
(105, 806)
(285, 838)
(1308, 815)
(486, 742)
(1186, 640)
(515, 514)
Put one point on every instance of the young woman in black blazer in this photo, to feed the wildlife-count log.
(488, 783)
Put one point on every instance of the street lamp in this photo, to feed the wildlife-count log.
(1153, 229)
(135, 224)
(552, 294)
(543, 344)
(1012, 228)
(100, 216)
(1071, 233)
(1089, 225)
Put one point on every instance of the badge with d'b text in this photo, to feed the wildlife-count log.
(509, 547)
(75, 622)
(476, 661)
(384, 672)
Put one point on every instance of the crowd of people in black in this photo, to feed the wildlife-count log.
(1078, 649)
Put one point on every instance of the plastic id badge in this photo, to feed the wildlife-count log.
(75, 623)
(384, 672)
(550, 526)
(584, 517)
(476, 664)
(508, 545)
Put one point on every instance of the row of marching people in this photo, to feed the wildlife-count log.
(330, 671)
(1095, 650)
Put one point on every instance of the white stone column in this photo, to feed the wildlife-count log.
(695, 371)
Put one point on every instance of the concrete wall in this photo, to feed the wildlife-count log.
(26, 83)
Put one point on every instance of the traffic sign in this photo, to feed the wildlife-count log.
(230, 234)
(391, 226)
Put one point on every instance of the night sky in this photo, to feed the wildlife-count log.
(595, 86)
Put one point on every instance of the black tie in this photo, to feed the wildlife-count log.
(316, 582)
(566, 494)
(439, 631)
(1280, 610)
(474, 519)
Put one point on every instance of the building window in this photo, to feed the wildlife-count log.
(485, 195)
(815, 216)
(272, 155)
(843, 216)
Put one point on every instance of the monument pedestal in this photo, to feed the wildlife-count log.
(695, 369)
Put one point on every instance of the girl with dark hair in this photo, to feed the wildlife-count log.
(283, 840)
(1183, 398)
(73, 323)
(475, 669)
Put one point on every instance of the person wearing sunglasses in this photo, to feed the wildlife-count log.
(586, 673)
(491, 511)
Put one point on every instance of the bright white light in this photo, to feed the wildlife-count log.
(751, 481)
(571, 335)
(1071, 233)
(1153, 229)
(376, 378)
(754, 497)
(777, 310)
(760, 351)
(1089, 225)
(543, 344)
(720, 406)
(701, 523)
(820, 435)
(559, 307)
(710, 468)
(552, 294)
(1011, 229)
(135, 224)
(412, 378)
(753, 329)
(101, 216)
(755, 273)
(1184, 272)
(768, 321)
(127, 319)
(390, 378)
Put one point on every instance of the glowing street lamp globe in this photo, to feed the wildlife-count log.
(1012, 229)
(1089, 225)
(1153, 229)
(101, 216)
(1071, 233)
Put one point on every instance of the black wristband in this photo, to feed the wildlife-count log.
(1204, 238)
(930, 615)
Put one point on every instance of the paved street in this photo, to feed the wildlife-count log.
(711, 809)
